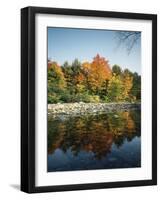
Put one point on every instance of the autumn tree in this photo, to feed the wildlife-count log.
(92, 82)
(77, 77)
(73, 75)
(127, 80)
(115, 89)
(86, 70)
(120, 85)
(75, 81)
(68, 73)
(56, 82)
(97, 73)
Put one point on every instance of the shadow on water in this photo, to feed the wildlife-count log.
(102, 141)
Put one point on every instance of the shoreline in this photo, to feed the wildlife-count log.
(74, 109)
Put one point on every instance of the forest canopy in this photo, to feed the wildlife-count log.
(92, 82)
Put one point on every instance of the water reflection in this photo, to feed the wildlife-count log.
(94, 141)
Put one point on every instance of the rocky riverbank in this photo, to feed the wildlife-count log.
(88, 108)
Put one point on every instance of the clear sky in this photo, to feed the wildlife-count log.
(66, 44)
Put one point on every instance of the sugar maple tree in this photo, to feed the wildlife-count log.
(97, 73)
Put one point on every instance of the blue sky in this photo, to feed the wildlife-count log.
(66, 44)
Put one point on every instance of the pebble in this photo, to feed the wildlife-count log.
(89, 108)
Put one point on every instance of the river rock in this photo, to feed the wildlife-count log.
(88, 108)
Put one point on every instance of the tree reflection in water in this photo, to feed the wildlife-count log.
(94, 134)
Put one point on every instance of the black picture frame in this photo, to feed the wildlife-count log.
(28, 98)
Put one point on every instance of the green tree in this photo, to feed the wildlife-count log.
(115, 89)
(136, 88)
(116, 69)
(56, 82)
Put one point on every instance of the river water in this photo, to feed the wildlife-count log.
(102, 141)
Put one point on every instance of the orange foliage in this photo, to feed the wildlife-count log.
(129, 122)
(97, 72)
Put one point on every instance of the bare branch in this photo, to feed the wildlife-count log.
(128, 38)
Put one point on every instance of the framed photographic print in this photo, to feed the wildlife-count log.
(88, 99)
